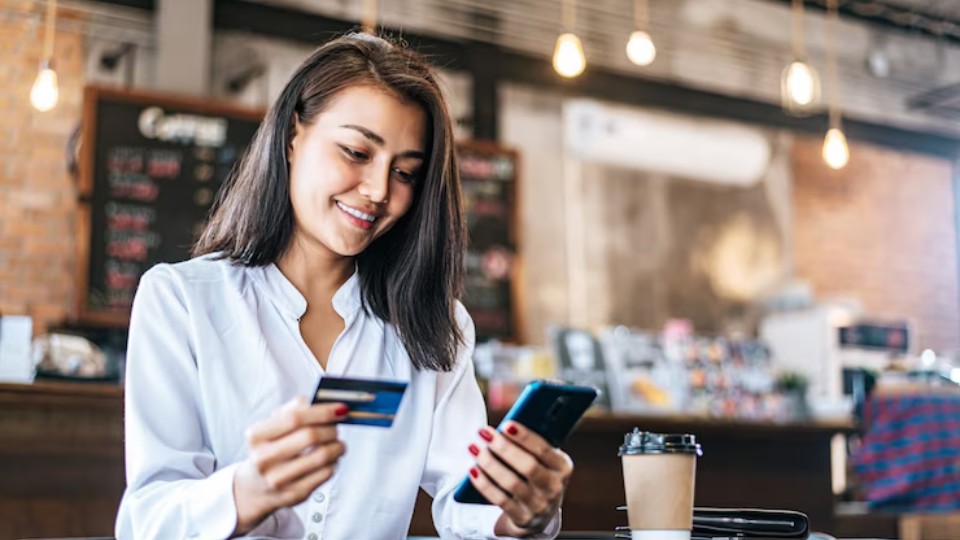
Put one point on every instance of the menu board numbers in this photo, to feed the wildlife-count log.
(164, 164)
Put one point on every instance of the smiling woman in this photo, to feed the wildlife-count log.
(335, 249)
(329, 141)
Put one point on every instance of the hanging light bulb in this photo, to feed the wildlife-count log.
(801, 86)
(836, 152)
(45, 94)
(568, 57)
(799, 82)
(640, 49)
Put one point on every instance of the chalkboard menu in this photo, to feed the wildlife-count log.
(489, 176)
(150, 168)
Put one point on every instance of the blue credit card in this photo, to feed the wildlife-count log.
(371, 402)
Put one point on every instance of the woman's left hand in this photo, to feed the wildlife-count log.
(523, 474)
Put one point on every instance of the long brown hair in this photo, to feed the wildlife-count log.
(412, 275)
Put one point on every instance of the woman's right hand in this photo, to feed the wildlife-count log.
(292, 453)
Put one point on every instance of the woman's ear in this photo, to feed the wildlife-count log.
(295, 130)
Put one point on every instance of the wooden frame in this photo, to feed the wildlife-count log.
(517, 287)
(92, 96)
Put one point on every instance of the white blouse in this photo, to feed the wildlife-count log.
(215, 347)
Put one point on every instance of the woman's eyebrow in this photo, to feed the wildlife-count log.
(373, 137)
(378, 140)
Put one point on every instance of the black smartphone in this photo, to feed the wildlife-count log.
(549, 410)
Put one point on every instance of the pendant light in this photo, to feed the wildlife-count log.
(45, 93)
(568, 58)
(640, 48)
(799, 83)
(836, 152)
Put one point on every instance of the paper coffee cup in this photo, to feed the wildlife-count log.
(659, 474)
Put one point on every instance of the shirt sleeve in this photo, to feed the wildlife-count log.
(459, 414)
(174, 488)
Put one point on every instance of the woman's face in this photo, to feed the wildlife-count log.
(354, 169)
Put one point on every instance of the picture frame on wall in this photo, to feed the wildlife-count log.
(580, 360)
(489, 179)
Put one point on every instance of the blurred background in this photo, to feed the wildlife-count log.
(737, 218)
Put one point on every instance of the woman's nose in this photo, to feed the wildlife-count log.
(376, 184)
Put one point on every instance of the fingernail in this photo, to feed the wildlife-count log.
(512, 429)
(474, 450)
(485, 435)
(474, 473)
(342, 410)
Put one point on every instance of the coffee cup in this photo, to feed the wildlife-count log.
(659, 474)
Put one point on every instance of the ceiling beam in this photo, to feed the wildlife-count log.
(496, 64)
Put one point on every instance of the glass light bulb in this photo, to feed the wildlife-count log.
(836, 153)
(44, 94)
(800, 86)
(568, 58)
(640, 49)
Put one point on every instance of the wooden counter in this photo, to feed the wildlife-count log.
(61, 457)
(61, 453)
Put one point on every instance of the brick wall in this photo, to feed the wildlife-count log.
(37, 196)
(883, 231)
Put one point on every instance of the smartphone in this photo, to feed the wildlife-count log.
(549, 410)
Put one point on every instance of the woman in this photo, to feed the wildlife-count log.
(334, 249)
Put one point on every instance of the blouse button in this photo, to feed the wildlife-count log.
(318, 497)
(312, 536)
(317, 517)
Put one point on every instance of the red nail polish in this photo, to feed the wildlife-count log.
(485, 435)
(474, 473)
(512, 429)
(342, 410)
(474, 450)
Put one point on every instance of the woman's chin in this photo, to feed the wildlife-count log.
(340, 246)
(350, 250)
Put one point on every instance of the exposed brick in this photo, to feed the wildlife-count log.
(37, 198)
(882, 230)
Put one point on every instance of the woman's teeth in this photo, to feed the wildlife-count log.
(356, 213)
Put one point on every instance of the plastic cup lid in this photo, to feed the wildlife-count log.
(644, 442)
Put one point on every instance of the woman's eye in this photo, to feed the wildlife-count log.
(405, 176)
(355, 155)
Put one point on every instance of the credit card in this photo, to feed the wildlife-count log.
(371, 402)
